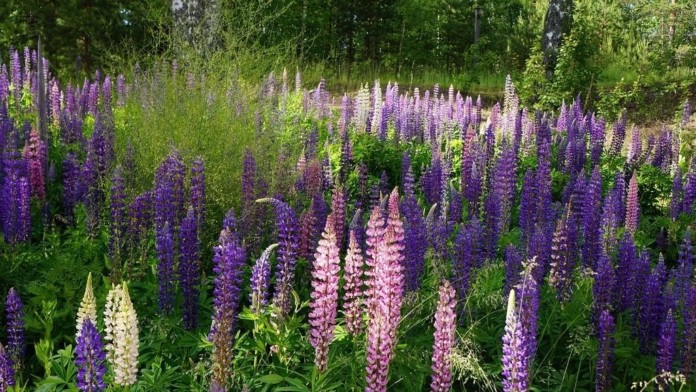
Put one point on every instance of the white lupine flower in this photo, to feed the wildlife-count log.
(88, 307)
(121, 330)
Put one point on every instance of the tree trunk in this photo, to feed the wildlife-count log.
(557, 23)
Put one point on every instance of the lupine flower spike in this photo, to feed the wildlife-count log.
(90, 359)
(515, 359)
(445, 326)
(88, 307)
(121, 324)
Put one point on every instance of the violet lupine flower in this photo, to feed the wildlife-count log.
(635, 148)
(513, 268)
(189, 268)
(386, 295)
(632, 207)
(407, 180)
(353, 299)
(689, 193)
(260, 280)
(604, 286)
(515, 360)
(528, 303)
(90, 359)
(228, 268)
(169, 193)
(229, 222)
(118, 225)
(491, 229)
(164, 245)
(592, 206)
(198, 193)
(596, 140)
(468, 253)
(651, 307)
(7, 373)
(617, 139)
(561, 273)
(15, 327)
(626, 271)
(504, 186)
(140, 217)
(605, 351)
(444, 339)
(688, 347)
(288, 240)
(684, 269)
(666, 348)
(415, 241)
(72, 184)
(35, 154)
(676, 199)
(15, 210)
(324, 304)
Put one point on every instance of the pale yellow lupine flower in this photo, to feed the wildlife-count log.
(121, 328)
(88, 307)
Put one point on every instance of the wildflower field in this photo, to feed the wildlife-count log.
(170, 230)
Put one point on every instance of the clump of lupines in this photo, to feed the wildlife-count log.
(88, 307)
(15, 327)
(35, 154)
(632, 207)
(228, 268)
(121, 326)
(7, 373)
(189, 268)
(261, 279)
(444, 339)
(288, 244)
(515, 359)
(324, 304)
(605, 351)
(90, 359)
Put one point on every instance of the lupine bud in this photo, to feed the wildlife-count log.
(90, 359)
(324, 304)
(121, 325)
(88, 307)
(444, 340)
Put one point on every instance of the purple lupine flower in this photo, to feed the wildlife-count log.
(689, 193)
(415, 241)
(468, 253)
(386, 295)
(189, 268)
(307, 238)
(444, 339)
(15, 327)
(605, 351)
(676, 199)
(164, 245)
(617, 139)
(528, 216)
(288, 240)
(198, 193)
(456, 207)
(407, 180)
(561, 273)
(504, 186)
(651, 304)
(72, 184)
(228, 266)
(120, 90)
(513, 268)
(684, 269)
(35, 154)
(516, 372)
(16, 194)
(543, 184)
(118, 224)
(7, 373)
(169, 193)
(626, 271)
(635, 148)
(688, 347)
(90, 359)
(229, 222)
(632, 207)
(592, 206)
(604, 286)
(596, 140)
(666, 348)
(490, 218)
(140, 217)
(363, 188)
(261, 279)
(353, 298)
(324, 303)
(528, 303)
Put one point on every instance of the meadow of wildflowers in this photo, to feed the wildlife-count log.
(379, 240)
